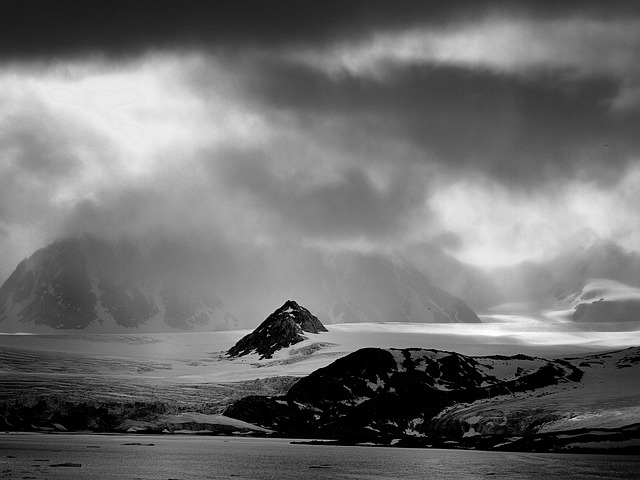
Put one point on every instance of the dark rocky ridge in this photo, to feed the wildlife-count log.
(281, 329)
(378, 394)
(54, 413)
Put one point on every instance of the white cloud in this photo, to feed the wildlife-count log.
(134, 146)
(611, 213)
(502, 227)
(92, 131)
(576, 46)
(139, 148)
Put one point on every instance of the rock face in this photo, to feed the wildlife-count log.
(432, 398)
(283, 328)
(52, 414)
(380, 394)
(87, 283)
(51, 287)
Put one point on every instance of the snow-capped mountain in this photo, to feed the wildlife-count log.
(283, 328)
(92, 285)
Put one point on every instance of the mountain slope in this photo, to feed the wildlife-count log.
(436, 398)
(356, 287)
(283, 328)
(391, 393)
(86, 283)
(568, 273)
(105, 287)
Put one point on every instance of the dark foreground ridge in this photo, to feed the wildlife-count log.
(377, 393)
(281, 329)
(412, 397)
(396, 397)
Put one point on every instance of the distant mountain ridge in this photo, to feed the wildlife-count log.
(87, 283)
(357, 287)
(96, 286)
(598, 285)
(544, 284)
(569, 272)
(283, 328)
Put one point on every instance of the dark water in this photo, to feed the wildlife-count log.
(34, 456)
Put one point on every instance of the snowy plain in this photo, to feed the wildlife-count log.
(201, 357)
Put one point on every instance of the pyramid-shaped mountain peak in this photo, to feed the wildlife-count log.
(290, 306)
(281, 329)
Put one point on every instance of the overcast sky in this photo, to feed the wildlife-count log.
(497, 131)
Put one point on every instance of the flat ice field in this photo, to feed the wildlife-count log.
(196, 358)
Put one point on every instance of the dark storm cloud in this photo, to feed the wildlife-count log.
(44, 28)
(348, 152)
(349, 207)
(517, 130)
(71, 27)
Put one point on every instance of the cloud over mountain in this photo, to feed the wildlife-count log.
(359, 126)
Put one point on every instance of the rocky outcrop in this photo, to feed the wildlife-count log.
(379, 394)
(137, 417)
(283, 328)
